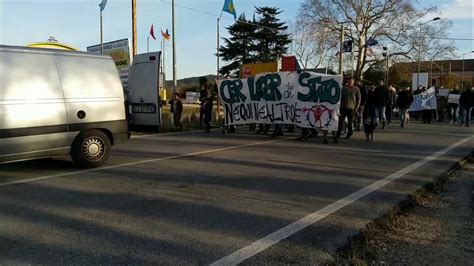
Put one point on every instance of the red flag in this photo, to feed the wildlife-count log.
(152, 32)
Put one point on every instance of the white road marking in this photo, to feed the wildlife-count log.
(293, 228)
(35, 179)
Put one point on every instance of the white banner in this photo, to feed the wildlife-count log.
(306, 99)
(424, 101)
(454, 98)
(415, 81)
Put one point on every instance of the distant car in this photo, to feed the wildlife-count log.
(55, 102)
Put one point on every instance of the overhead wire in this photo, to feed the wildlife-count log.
(216, 15)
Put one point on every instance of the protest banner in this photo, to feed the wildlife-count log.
(424, 101)
(305, 99)
(454, 98)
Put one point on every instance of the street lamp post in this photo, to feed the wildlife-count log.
(341, 49)
(462, 74)
(419, 51)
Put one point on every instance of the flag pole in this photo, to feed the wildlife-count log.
(148, 44)
(352, 62)
(101, 34)
(163, 67)
(175, 82)
(161, 62)
(217, 73)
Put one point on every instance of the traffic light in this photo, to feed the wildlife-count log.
(384, 54)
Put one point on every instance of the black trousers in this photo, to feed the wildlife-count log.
(427, 115)
(207, 120)
(349, 113)
(388, 113)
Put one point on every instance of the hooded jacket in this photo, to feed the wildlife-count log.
(404, 100)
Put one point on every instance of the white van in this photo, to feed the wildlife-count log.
(55, 102)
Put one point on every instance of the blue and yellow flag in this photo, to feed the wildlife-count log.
(229, 8)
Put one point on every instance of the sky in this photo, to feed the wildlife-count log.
(76, 23)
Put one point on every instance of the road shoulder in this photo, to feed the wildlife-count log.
(438, 229)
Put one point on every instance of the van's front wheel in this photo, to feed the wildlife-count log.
(90, 149)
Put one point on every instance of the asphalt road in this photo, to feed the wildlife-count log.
(196, 197)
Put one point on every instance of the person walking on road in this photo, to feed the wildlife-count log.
(207, 106)
(369, 117)
(203, 94)
(350, 101)
(177, 109)
(360, 111)
(453, 107)
(392, 95)
(381, 96)
(466, 103)
(442, 105)
(404, 100)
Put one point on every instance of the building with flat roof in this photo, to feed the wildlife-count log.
(446, 73)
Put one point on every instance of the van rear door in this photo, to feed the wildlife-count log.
(32, 110)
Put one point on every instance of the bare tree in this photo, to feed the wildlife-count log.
(393, 23)
(311, 46)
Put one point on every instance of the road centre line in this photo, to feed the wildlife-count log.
(192, 154)
(293, 228)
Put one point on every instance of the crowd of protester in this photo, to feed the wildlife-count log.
(363, 107)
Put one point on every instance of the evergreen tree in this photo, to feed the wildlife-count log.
(271, 39)
(255, 41)
(240, 47)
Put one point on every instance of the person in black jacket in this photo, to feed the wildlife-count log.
(369, 116)
(466, 103)
(206, 109)
(177, 109)
(381, 97)
(404, 100)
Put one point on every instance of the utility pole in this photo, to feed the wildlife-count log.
(341, 49)
(217, 49)
(175, 82)
(163, 68)
(385, 54)
(134, 26)
(352, 63)
(217, 70)
(419, 63)
(431, 72)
